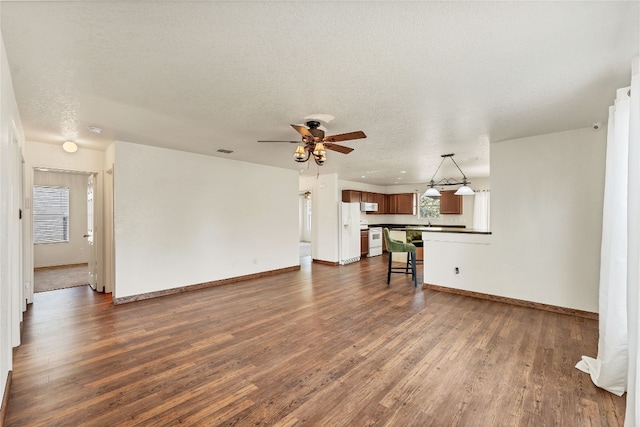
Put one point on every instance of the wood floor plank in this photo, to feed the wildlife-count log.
(326, 345)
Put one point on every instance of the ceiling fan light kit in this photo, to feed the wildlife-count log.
(314, 143)
(300, 155)
(465, 190)
(304, 153)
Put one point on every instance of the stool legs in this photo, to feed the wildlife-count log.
(411, 264)
(413, 269)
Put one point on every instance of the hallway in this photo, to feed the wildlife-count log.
(61, 277)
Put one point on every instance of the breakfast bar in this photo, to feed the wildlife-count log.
(456, 258)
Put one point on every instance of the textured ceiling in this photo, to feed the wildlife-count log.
(421, 79)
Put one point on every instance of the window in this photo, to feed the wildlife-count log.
(429, 207)
(50, 214)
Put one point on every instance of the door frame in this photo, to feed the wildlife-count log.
(15, 236)
(102, 286)
(304, 212)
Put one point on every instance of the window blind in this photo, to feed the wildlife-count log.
(50, 214)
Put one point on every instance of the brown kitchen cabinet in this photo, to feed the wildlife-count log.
(397, 204)
(382, 201)
(367, 197)
(378, 198)
(402, 204)
(364, 242)
(450, 204)
(355, 196)
(351, 196)
(392, 201)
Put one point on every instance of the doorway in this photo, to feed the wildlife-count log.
(65, 252)
(304, 231)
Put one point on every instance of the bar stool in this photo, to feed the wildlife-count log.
(398, 246)
(419, 244)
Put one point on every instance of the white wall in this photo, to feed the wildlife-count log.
(12, 275)
(76, 250)
(324, 217)
(359, 186)
(184, 218)
(325, 201)
(546, 221)
(53, 156)
(109, 251)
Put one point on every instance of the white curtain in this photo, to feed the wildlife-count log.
(482, 210)
(632, 417)
(614, 369)
(609, 370)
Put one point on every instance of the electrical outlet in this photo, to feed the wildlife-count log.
(457, 270)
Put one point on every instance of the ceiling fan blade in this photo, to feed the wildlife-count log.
(345, 136)
(302, 131)
(339, 148)
(293, 142)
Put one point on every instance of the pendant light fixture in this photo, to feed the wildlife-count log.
(465, 190)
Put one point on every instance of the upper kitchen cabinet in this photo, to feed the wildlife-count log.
(403, 204)
(383, 203)
(351, 196)
(395, 204)
(450, 204)
(367, 197)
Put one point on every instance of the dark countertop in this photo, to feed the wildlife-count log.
(416, 226)
(441, 230)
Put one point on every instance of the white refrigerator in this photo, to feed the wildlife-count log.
(349, 233)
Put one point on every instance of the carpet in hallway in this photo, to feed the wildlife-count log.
(61, 277)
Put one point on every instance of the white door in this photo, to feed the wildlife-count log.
(91, 227)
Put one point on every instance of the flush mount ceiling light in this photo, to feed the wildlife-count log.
(70, 147)
(465, 190)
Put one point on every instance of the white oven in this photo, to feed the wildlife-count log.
(375, 241)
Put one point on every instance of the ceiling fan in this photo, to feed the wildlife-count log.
(314, 143)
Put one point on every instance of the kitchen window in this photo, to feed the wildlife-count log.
(50, 214)
(429, 207)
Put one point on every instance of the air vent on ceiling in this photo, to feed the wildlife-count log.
(222, 150)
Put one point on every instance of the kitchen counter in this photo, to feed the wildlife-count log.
(442, 230)
(405, 225)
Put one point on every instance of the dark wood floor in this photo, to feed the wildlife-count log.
(325, 346)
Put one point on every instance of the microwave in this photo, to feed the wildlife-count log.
(368, 207)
